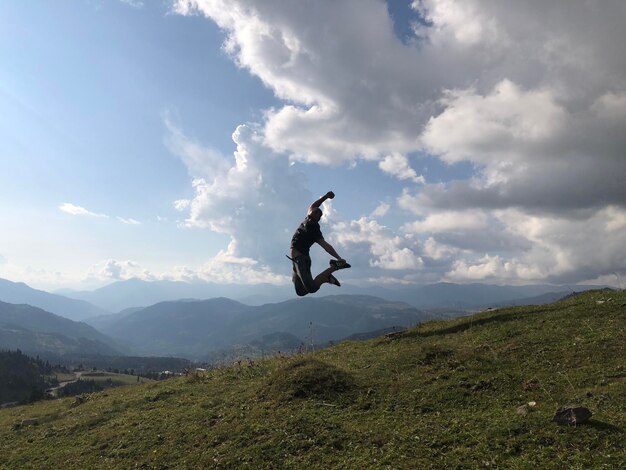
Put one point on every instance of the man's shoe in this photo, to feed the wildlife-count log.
(339, 264)
(333, 280)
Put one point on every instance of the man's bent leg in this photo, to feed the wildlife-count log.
(302, 268)
(297, 282)
(323, 277)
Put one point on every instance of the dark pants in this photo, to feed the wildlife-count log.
(301, 277)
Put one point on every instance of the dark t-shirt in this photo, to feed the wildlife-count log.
(307, 233)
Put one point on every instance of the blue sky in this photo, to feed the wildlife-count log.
(450, 132)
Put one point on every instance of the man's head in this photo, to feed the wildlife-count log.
(315, 214)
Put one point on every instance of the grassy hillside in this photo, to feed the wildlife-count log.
(117, 380)
(443, 395)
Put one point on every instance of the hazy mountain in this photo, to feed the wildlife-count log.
(193, 328)
(330, 318)
(186, 328)
(34, 330)
(536, 300)
(20, 293)
(469, 296)
(138, 293)
(131, 293)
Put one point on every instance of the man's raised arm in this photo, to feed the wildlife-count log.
(318, 202)
(329, 248)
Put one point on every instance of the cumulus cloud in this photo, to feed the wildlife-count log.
(112, 269)
(439, 251)
(254, 196)
(398, 165)
(229, 268)
(533, 95)
(384, 249)
(530, 151)
(73, 209)
(558, 249)
(351, 91)
(504, 85)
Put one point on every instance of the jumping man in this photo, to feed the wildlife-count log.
(306, 235)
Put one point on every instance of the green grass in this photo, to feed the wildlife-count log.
(63, 376)
(443, 395)
(117, 380)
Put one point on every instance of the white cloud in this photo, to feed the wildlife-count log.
(112, 269)
(472, 231)
(182, 204)
(254, 196)
(78, 210)
(381, 210)
(228, 268)
(397, 165)
(134, 3)
(438, 251)
(504, 123)
(36, 277)
(351, 91)
(385, 250)
(459, 22)
(201, 161)
(559, 249)
(82, 212)
(128, 221)
(532, 94)
(450, 221)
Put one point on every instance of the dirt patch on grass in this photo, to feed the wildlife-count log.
(309, 378)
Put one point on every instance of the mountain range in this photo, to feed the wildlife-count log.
(193, 328)
(36, 331)
(74, 309)
(134, 293)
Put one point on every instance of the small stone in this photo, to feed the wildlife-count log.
(572, 415)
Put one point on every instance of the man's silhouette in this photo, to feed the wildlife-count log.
(306, 235)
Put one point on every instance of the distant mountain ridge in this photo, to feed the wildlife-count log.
(135, 293)
(74, 309)
(36, 331)
(194, 328)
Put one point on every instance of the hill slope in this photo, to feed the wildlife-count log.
(20, 293)
(443, 395)
(36, 331)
